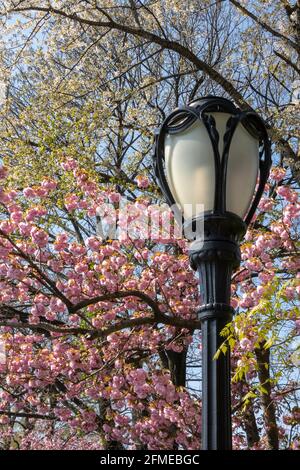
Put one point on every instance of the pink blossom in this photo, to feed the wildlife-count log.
(287, 193)
(6, 227)
(266, 276)
(24, 228)
(253, 264)
(35, 213)
(49, 185)
(12, 194)
(246, 301)
(41, 192)
(3, 269)
(246, 344)
(69, 164)
(3, 172)
(61, 242)
(260, 290)
(81, 175)
(277, 174)
(266, 204)
(289, 293)
(74, 319)
(93, 243)
(16, 217)
(114, 197)
(50, 316)
(81, 268)
(29, 192)
(142, 181)
(296, 444)
(297, 325)
(56, 305)
(77, 249)
(38, 309)
(72, 202)
(248, 235)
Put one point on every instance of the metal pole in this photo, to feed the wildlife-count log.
(215, 261)
(216, 399)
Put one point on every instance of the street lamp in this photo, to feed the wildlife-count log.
(212, 153)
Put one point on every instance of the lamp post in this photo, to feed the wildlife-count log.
(212, 153)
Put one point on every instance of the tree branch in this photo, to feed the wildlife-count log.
(27, 415)
(265, 26)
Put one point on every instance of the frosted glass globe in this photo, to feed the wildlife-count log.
(190, 167)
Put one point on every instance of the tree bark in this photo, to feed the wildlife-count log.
(263, 361)
(250, 426)
(177, 367)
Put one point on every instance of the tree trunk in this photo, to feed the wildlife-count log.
(177, 366)
(263, 361)
(250, 426)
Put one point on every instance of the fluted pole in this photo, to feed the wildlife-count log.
(215, 261)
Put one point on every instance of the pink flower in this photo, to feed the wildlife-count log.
(6, 227)
(93, 243)
(253, 264)
(71, 202)
(61, 242)
(142, 181)
(77, 249)
(75, 319)
(50, 316)
(277, 174)
(80, 175)
(246, 344)
(34, 213)
(260, 290)
(16, 217)
(3, 269)
(289, 293)
(3, 172)
(81, 268)
(69, 164)
(12, 194)
(296, 444)
(266, 204)
(56, 305)
(38, 309)
(39, 236)
(266, 276)
(97, 322)
(24, 229)
(287, 193)
(106, 428)
(118, 381)
(114, 197)
(246, 301)
(49, 185)
(41, 192)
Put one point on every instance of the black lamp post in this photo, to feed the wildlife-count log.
(212, 153)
